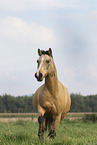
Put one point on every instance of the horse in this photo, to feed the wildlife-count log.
(51, 100)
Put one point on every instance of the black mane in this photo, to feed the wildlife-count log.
(45, 52)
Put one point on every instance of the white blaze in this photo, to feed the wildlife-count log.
(40, 66)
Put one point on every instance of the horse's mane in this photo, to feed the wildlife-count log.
(46, 52)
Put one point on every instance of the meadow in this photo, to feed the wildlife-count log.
(70, 132)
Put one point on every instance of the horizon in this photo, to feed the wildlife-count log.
(29, 95)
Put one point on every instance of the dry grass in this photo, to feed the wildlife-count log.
(35, 114)
(13, 117)
(7, 120)
(17, 115)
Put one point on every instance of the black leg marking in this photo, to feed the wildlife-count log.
(40, 121)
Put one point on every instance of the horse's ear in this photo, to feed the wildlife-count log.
(39, 52)
(50, 52)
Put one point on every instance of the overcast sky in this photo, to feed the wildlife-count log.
(69, 27)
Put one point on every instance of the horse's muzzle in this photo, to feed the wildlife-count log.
(39, 77)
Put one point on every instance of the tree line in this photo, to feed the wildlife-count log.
(79, 103)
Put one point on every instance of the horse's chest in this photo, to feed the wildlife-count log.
(48, 104)
(45, 102)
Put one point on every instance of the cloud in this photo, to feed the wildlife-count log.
(23, 5)
(30, 5)
(93, 14)
(15, 29)
(11, 76)
(92, 72)
(17, 82)
(20, 40)
(80, 79)
(18, 53)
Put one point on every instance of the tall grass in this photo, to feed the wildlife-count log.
(68, 133)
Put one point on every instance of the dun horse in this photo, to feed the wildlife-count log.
(51, 100)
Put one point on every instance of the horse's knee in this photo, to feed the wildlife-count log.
(40, 119)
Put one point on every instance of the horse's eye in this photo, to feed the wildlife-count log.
(47, 61)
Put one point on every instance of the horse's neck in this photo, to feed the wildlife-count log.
(51, 82)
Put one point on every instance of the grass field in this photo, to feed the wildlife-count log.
(69, 133)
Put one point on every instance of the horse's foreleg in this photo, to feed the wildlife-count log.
(41, 121)
(54, 126)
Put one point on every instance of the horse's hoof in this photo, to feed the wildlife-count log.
(40, 136)
(52, 134)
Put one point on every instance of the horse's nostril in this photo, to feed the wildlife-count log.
(35, 75)
(40, 75)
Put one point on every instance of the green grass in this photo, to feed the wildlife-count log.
(68, 133)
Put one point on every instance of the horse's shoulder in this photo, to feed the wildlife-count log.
(36, 95)
(63, 91)
(61, 86)
(39, 90)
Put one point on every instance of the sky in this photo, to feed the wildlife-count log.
(69, 27)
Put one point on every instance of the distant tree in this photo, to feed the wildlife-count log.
(81, 103)
(23, 104)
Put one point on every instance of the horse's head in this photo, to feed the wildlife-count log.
(45, 64)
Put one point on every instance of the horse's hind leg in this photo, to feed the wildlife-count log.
(51, 129)
(54, 126)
